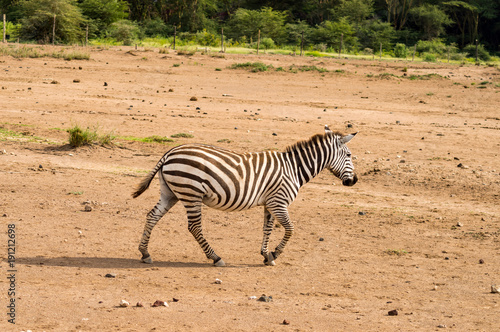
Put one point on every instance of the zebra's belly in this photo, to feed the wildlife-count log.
(212, 200)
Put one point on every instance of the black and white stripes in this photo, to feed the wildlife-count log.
(226, 180)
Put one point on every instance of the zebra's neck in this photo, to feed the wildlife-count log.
(307, 159)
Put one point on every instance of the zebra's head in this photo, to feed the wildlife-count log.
(341, 162)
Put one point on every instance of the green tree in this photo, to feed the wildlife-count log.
(329, 32)
(431, 20)
(375, 32)
(247, 23)
(124, 31)
(102, 13)
(38, 19)
(356, 11)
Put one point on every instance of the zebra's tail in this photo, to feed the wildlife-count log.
(144, 185)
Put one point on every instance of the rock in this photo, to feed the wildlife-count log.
(274, 134)
(88, 208)
(361, 213)
(393, 312)
(459, 224)
(321, 239)
(252, 297)
(105, 84)
(193, 99)
(139, 305)
(110, 275)
(159, 303)
(481, 261)
(76, 80)
(218, 281)
(441, 326)
(124, 303)
(286, 322)
(495, 289)
(175, 300)
(265, 298)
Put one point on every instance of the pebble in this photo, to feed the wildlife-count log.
(459, 224)
(265, 298)
(495, 289)
(159, 303)
(321, 239)
(286, 322)
(193, 99)
(361, 213)
(252, 297)
(110, 275)
(76, 80)
(88, 208)
(481, 261)
(441, 326)
(218, 281)
(124, 303)
(393, 312)
(139, 305)
(274, 134)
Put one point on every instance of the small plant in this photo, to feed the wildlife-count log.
(176, 65)
(429, 57)
(224, 140)
(157, 139)
(400, 51)
(182, 135)
(430, 93)
(254, 67)
(80, 137)
(218, 69)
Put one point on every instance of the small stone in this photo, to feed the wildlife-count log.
(274, 134)
(193, 99)
(459, 224)
(265, 298)
(159, 303)
(349, 125)
(170, 90)
(139, 305)
(321, 239)
(197, 108)
(495, 289)
(105, 84)
(175, 299)
(286, 322)
(218, 281)
(76, 80)
(110, 275)
(361, 213)
(88, 208)
(393, 312)
(40, 167)
(252, 297)
(481, 261)
(124, 303)
(441, 326)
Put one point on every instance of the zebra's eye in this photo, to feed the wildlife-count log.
(349, 155)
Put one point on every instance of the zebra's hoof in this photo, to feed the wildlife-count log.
(147, 260)
(270, 260)
(269, 263)
(219, 263)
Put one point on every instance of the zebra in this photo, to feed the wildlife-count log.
(197, 174)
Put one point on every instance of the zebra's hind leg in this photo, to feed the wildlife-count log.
(166, 202)
(194, 225)
(268, 228)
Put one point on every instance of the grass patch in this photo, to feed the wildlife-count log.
(313, 68)
(224, 140)
(149, 139)
(80, 137)
(425, 77)
(254, 67)
(182, 135)
(11, 135)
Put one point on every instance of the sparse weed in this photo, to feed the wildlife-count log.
(182, 135)
(80, 137)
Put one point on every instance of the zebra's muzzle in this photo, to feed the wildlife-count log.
(350, 181)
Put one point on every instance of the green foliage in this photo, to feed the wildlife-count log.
(252, 66)
(247, 23)
(355, 11)
(80, 137)
(431, 19)
(434, 46)
(374, 32)
(482, 53)
(102, 13)
(400, 51)
(267, 43)
(38, 19)
(329, 32)
(124, 31)
(156, 27)
(429, 57)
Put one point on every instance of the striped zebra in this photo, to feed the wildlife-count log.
(226, 180)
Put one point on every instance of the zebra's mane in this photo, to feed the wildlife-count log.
(308, 142)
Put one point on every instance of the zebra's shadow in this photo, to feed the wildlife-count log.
(116, 263)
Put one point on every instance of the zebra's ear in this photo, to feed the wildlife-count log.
(328, 130)
(347, 138)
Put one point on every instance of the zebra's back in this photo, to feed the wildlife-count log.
(223, 179)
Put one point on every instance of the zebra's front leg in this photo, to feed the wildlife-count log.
(194, 226)
(268, 228)
(283, 218)
(167, 200)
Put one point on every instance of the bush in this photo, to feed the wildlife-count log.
(400, 51)
(124, 31)
(156, 27)
(80, 137)
(267, 43)
(429, 57)
(432, 46)
(482, 53)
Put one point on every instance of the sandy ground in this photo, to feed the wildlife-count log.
(417, 234)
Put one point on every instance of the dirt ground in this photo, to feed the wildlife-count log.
(419, 233)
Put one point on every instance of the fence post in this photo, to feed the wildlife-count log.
(302, 44)
(222, 40)
(54, 30)
(476, 49)
(175, 34)
(258, 42)
(380, 51)
(4, 29)
(87, 36)
(448, 54)
(341, 42)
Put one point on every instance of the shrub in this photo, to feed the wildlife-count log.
(482, 53)
(79, 137)
(400, 50)
(183, 135)
(429, 57)
(124, 31)
(267, 43)
(432, 46)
